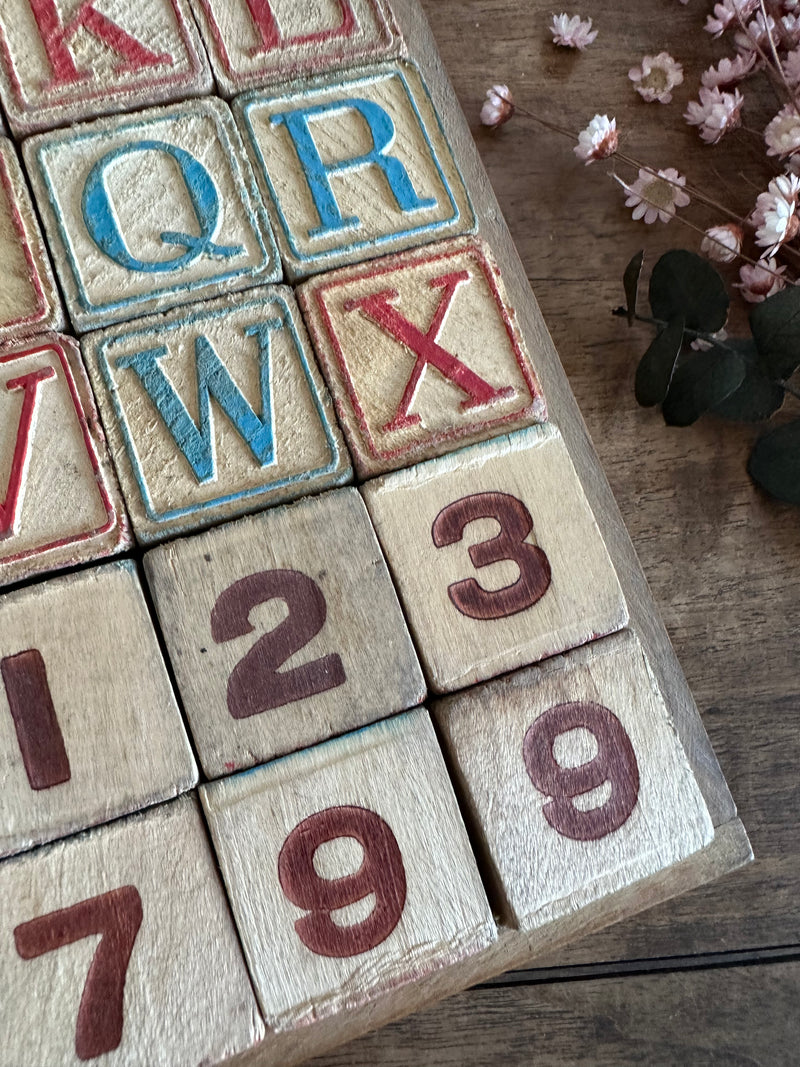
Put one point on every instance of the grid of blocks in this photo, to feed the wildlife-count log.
(357, 697)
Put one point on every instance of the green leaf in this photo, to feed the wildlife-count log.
(776, 328)
(758, 397)
(775, 462)
(683, 283)
(701, 383)
(654, 373)
(630, 280)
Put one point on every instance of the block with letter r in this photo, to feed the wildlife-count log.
(214, 411)
(354, 168)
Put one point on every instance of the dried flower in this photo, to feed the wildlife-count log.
(598, 141)
(498, 107)
(783, 133)
(729, 71)
(723, 243)
(701, 344)
(715, 114)
(572, 32)
(775, 214)
(790, 31)
(757, 34)
(656, 77)
(761, 280)
(656, 196)
(791, 68)
(725, 14)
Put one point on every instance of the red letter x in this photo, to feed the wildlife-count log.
(29, 383)
(379, 308)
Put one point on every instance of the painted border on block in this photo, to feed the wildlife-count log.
(41, 311)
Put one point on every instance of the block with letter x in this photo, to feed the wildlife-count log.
(422, 353)
(215, 411)
(354, 167)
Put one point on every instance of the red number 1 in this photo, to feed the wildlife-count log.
(38, 733)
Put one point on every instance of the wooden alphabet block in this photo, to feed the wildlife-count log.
(348, 869)
(258, 42)
(163, 983)
(61, 504)
(422, 353)
(497, 557)
(350, 654)
(89, 727)
(61, 61)
(270, 436)
(353, 168)
(575, 778)
(29, 300)
(147, 211)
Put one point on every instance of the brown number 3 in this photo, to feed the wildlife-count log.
(516, 524)
(614, 763)
(381, 872)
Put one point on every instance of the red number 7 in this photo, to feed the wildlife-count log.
(116, 916)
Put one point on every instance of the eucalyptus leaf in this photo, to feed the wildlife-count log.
(758, 397)
(774, 463)
(683, 283)
(700, 383)
(775, 323)
(630, 280)
(654, 372)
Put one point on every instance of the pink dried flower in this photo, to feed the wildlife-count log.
(791, 68)
(782, 135)
(729, 71)
(760, 280)
(725, 14)
(715, 114)
(498, 107)
(723, 243)
(656, 77)
(775, 214)
(790, 31)
(700, 344)
(656, 196)
(598, 141)
(758, 33)
(572, 32)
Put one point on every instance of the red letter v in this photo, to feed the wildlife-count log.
(29, 383)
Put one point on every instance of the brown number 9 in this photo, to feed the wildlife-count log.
(381, 872)
(614, 763)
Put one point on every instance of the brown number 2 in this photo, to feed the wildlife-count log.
(381, 872)
(516, 524)
(614, 763)
(116, 916)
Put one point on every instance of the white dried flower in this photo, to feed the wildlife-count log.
(656, 77)
(498, 107)
(782, 135)
(656, 196)
(760, 280)
(573, 32)
(723, 243)
(715, 113)
(791, 68)
(775, 214)
(598, 141)
(700, 344)
(790, 31)
(725, 15)
(758, 33)
(729, 71)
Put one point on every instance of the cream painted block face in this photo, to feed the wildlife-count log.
(575, 779)
(349, 870)
(215, 411)
(60, 501)
(63, 61)
(259, 42)
(164, 983)
(150, 210)
(283, 630)
(89, 726)
(354, 168)
(422, 354)
(497, 557)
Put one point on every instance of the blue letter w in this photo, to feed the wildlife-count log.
(213, 379)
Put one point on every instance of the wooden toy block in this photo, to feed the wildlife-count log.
(60, 501)
(29, 300)
(163, 983)
(497, 557)
(349, 870)
(575, 779)
(283, 630)
(257, 42)
(147, 211)
(269, 436)
(89, 726)
(62, 61)
(422, 354)
(354, 167)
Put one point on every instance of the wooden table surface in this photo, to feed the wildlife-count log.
(713, 977)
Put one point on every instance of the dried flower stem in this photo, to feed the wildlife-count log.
(778, 67)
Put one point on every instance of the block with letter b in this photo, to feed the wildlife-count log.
(124, 933)
(354, 168)
(497, 557)
(575, 780)
(349, 870)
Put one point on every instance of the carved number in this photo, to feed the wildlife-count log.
(516, 524)
(39, 736)
(116, 916)
(381, 873)
(256, 685)
(614, 763)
